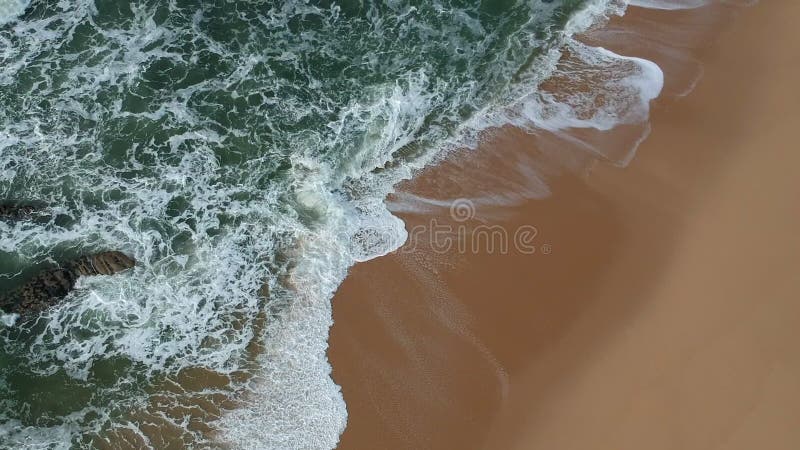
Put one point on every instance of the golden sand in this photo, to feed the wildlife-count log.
(665, 314)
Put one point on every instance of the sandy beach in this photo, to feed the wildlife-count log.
(657, 309)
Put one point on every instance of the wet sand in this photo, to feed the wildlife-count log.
(659, 309)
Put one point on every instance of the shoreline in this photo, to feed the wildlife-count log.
(535, 340)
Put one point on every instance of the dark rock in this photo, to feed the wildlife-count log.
(106, 263)
(16, 212)
(50, 286)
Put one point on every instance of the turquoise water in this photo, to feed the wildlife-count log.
(224, 145)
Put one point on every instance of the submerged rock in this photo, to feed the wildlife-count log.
(106, 263)
(16, 212)
(50, 286)
(264, 291)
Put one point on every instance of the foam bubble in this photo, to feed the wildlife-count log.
(11, 9)
(669, 4)
(9, 319)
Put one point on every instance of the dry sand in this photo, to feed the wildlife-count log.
(660, 310)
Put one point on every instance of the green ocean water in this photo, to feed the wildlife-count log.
(225, 145)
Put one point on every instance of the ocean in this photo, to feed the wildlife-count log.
(241, 152)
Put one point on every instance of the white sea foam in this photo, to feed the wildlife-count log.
(37, 438)
(9, 319)
(627, 85)
(669, 4)
(57, 437)
(11, 9)
(672, 5)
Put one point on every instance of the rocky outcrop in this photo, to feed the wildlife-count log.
(50, 286)
(10, 211)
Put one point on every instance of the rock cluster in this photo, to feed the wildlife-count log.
(16, 212)
(50, 286)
